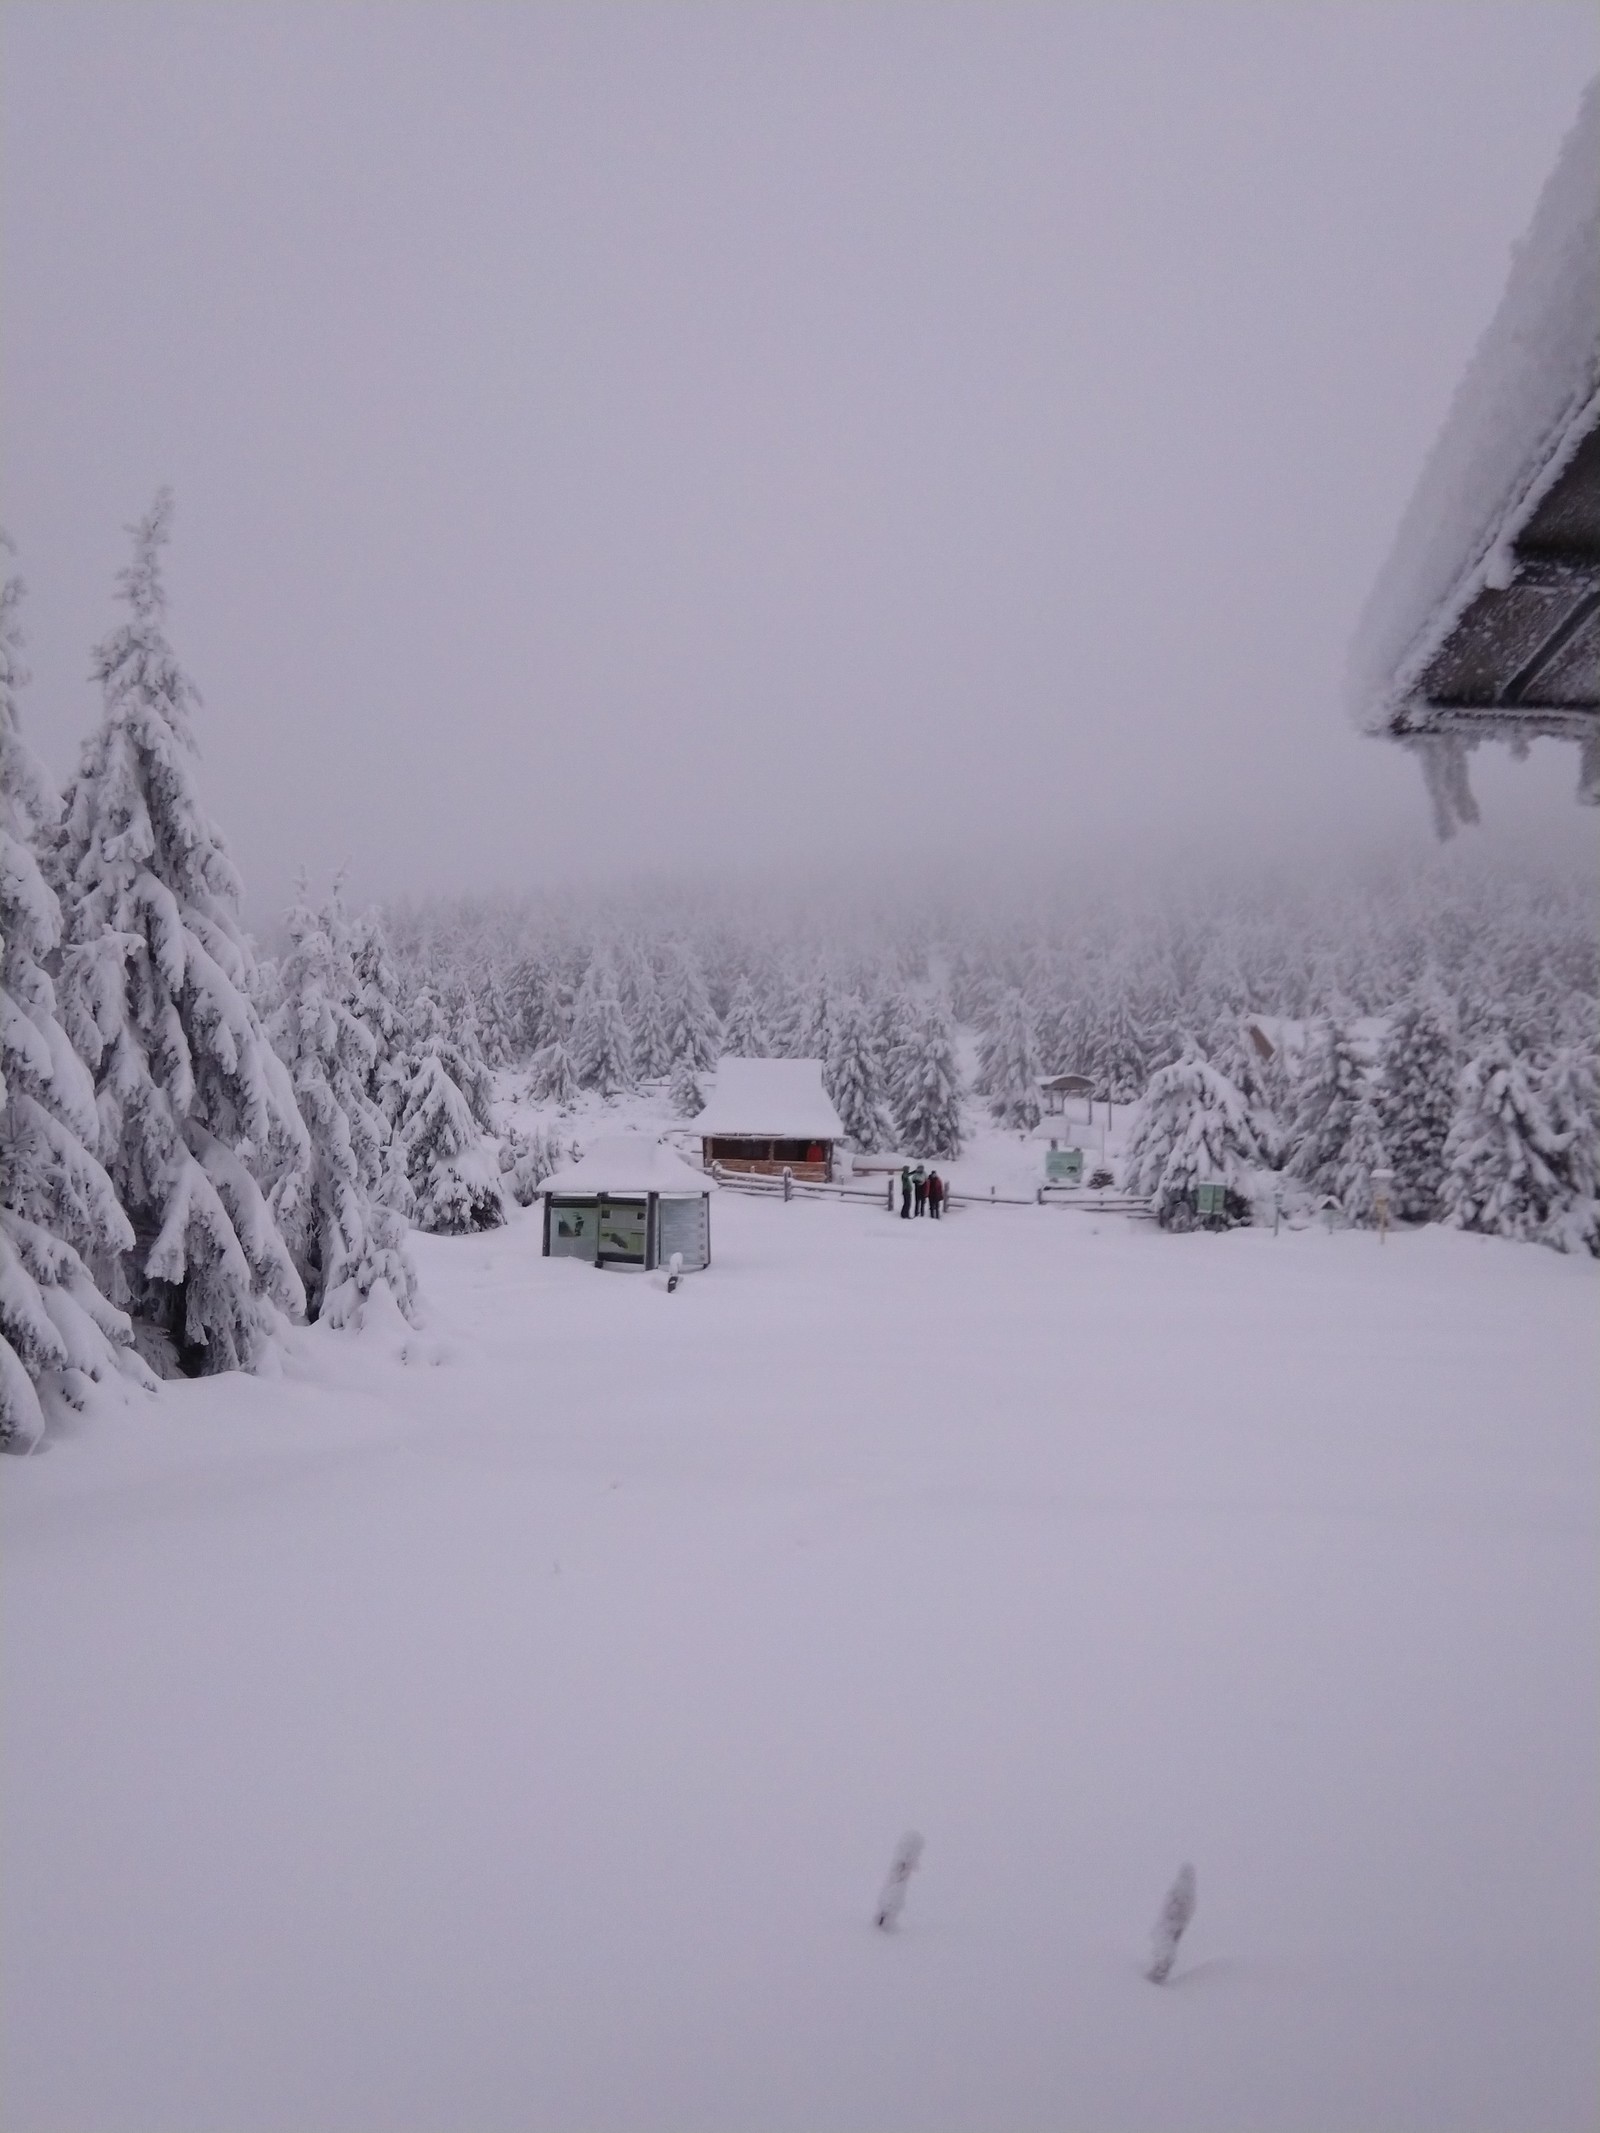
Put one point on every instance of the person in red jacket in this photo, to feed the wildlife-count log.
(936, 1193)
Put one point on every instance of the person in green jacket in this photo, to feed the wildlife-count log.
(905, 1192)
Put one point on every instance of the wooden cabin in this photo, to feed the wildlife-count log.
(1485, 623)
(768, 1116)
(629, 1202)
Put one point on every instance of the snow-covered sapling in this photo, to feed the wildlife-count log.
(1176, 1913)
(893, 1900)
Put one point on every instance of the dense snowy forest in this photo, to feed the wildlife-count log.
(199, 1143)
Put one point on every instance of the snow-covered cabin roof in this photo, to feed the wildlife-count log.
(1486, 618)
(628, 1163)
(772, 1099)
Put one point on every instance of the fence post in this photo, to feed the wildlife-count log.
(788, 1182)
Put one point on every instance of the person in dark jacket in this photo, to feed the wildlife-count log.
(905, 1192)
(935, 1193)
(919, 1189)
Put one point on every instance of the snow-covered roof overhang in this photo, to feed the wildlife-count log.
(1485, 622)
(629, 1165)
(770, 1099)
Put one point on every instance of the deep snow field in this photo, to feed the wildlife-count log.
(509, 1726)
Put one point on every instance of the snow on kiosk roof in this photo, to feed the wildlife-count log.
(1485, 622)
(628, 1202)
(770, 1115)
(628, 1165)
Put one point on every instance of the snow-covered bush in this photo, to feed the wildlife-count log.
(59, 1215)
(197, 1117)
(1191, 1128)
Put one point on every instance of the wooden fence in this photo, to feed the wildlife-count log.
(1133, 1205)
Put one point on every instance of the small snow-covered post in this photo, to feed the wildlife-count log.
(1176, 1913)
(674, 1271)
(1382, 1180)
(888, 1198)
(893, 1900)
(788, 1182)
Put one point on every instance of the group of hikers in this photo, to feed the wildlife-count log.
(922, 1192)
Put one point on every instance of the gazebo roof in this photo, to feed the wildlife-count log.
(1485, 621)
(628, 1164)
(773, 1099)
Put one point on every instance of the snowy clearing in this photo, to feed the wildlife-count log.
(518, 1734)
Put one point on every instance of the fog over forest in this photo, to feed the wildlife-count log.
(626, 443)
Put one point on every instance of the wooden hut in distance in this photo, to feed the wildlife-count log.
(768, 1116)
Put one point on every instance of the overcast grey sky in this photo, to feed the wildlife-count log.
(615, 438)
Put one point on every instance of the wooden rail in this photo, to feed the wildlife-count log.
(1094, 1203)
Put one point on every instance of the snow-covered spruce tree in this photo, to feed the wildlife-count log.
(744, 1035)
(683, 1090)
(852, 1077)
(1235, 1053)
(451, 1171)
(893, 1020)
(1118, 1051)
(428, 1033)
(1363, 1154)
(651, 1058)
(693, 1032)
(602, 1049)
(641, 1010)
(1014, 1066)
(59, 1215)
(1571, 1091)
(496, 1023)
(1192, 1128)
(1502, 1151)
(333, 1213)
(1417, 1097)
(1326, 1096)
(379, 1000)
(449, 1167)
(927, 1093)
(463, 1055)
(552, 1079)
(197, 1117)
(527, 1157)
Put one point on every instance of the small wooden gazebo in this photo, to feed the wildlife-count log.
(1055, 1089)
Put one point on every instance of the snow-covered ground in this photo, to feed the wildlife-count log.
(511, 1725)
